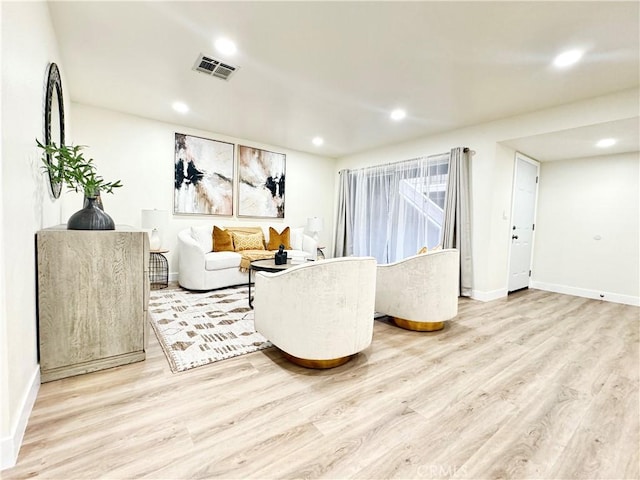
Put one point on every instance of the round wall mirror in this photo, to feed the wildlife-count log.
(54, 119)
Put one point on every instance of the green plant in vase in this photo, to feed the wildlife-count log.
(66, 165)
(74, 170)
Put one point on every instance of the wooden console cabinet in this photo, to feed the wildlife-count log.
(93, 292)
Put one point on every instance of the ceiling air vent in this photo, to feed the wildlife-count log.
(216, 68)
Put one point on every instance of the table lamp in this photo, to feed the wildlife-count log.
(154, 220)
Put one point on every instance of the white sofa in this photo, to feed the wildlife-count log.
(319, 314)
(199, 268)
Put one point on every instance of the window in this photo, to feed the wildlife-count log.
(398, 208)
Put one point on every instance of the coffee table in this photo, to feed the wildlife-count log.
(267, 265)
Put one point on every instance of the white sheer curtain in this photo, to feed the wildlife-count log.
(391, 211)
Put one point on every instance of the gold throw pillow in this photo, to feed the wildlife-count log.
(222, 240)
(251, 241)
(276, 239)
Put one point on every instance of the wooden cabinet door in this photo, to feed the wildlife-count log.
(90, 296)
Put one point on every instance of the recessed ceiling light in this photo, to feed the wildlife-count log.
(180, 107)
(317, 141)
(225, 46)
(398, 114)
(606, 142)
(567, 58)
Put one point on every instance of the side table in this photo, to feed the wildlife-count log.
(158, 269)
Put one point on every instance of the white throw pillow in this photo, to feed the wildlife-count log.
(295, 238)
(203, 235)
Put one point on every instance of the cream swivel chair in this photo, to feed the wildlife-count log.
(319, 314)
(420, 292)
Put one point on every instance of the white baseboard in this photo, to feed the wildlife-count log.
(10, 445)
(582, 292)
(489, 296)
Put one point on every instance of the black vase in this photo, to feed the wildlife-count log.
(98, 200)
(91, 217)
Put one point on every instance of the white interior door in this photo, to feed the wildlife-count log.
(523, 214)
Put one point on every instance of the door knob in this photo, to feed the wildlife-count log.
(514, 237)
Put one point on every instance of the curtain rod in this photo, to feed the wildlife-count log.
(465, 150)
(390, 164)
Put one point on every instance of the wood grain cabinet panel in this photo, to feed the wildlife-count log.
(92, 299)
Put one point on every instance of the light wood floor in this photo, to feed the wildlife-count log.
(538, 385)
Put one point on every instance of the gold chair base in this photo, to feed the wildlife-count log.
(319, 364)
(418, 326)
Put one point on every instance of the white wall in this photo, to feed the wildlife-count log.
(28, 45)
(140, 152)
(587, 233)
(492, 172)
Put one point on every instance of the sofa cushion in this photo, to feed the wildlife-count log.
(202, 235)
(296, 235)
(251, 241)
(222, 240)
(276, 239)
(221, 260)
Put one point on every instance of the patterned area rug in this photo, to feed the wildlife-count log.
(197, 328)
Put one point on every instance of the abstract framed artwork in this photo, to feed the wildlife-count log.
(261, 182)
(203, 181)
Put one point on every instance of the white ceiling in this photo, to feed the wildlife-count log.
(580, 142)
(336, 69)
